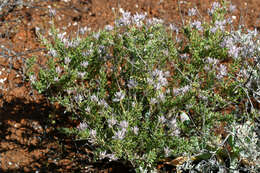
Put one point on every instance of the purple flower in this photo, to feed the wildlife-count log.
(174, 28)
(229, 20)
(112, 157)
(119, 96)
(167, 151)
(175, 132)
(52, 12)
(197, 25)
(93, 133)
(109, 27)
(183, 90)
(56, 79)
(184, 56)
(102, 155)
(173, 123)
(154, 21)
(61, 35)
(65, 41)
(212, 61)
(78, 98)
(220, 24)
(234, 51)
(73, 43)
(96, 35)
(214, 7)
(207, 68)
(101, 49)
(58, 70)
(162, 80)
(125, 19)
(135, 130)
(184, 117)
(222, 71)
(53, 53)
(132, 83)
(214, 29)
(93, 136)
(192, 12)
(203, 97)
(67, 60)
(86, 53)
(227, 42)
(88, 109)
(103, 103)
(94, 98)
(81, 74)
(232, 8)
(120, 135)
(162, 119)
(161, 96)
(138, 18)
(111, 122)
(82, 31)
(84, 64)
(160, 77)
(252, 33)
(82, 126)
(32, 78)
(123, 124)
(153, 101)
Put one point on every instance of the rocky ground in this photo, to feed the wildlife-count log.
(29, 142)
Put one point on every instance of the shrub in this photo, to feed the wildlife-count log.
(142, 96)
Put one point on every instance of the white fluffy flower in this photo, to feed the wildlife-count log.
(119, 96)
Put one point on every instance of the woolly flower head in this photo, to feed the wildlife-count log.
(123, 124)
(52, 12)
(192, 12)
(158, 79)
(125, 20)
(174, 28)
(232, 8)
(132, 83)
(111, 122)
(222, 71)
(67, 60)
(82, 126)
(214, 7)
(138, 19)
(119, 96)
(154, 21)
(120, 134)
(197, 25)
(135, 130)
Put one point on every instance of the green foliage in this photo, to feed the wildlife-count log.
(141, 96)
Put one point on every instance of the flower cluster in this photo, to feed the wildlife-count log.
(197, 25)
(219, 25)
(183, 90)
(214, 7)
(137, 19)
(158, 79)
